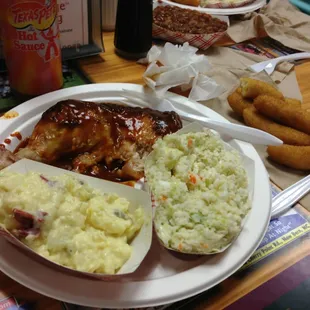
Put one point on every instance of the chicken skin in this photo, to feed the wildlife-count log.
(101, 136)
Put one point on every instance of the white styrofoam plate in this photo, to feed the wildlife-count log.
(229, 11)
(163, 277)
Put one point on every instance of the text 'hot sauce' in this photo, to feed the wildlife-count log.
(30, 34)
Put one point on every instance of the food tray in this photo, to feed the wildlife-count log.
(163, 276)
(201, 41)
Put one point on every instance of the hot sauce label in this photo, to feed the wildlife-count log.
(36, 28)
(31, 45)
(40, 16)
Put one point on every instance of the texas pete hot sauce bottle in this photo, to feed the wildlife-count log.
(30, 35)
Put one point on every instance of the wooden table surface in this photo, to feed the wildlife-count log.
(108, 67)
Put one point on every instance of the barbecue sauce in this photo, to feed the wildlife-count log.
(100, 170)
(21, 145)
(141, 125)
(17, 135)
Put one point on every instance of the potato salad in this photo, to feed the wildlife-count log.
(66, 221)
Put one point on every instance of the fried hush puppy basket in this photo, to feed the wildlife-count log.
(261, 105)
(179, 25)
(137, 198)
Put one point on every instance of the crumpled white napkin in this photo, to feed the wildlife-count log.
(179, 65)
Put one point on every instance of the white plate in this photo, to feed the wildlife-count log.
(163, 277)
(231, 11)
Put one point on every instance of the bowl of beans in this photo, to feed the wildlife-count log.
(178, 25)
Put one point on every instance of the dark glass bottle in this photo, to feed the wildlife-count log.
(133, 29)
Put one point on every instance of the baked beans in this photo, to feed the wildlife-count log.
(187, 21)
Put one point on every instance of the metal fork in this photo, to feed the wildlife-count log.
(287, 198)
